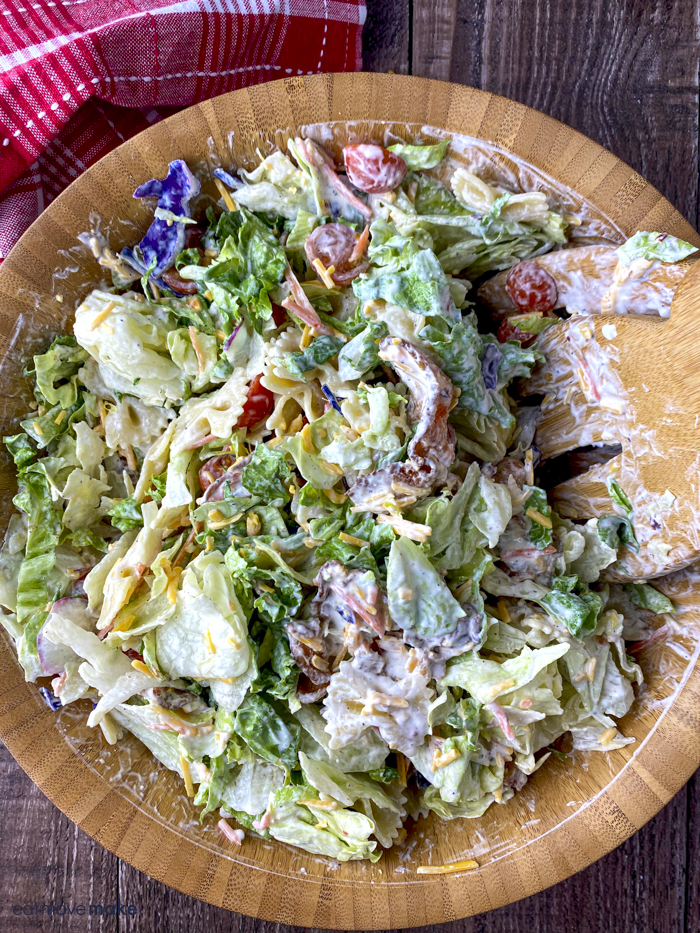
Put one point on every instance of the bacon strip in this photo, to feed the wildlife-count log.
(502, 720)
(432, 447)
(300, 305)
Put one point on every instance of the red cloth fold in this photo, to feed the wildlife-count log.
(78, 77)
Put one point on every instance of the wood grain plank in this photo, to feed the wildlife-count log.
(641, 885)
(184, 914)
(433, 31)
(693, 855)
(385, 37)
(46, 860)
(625, 74)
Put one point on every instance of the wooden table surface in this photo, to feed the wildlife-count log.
(625, 73)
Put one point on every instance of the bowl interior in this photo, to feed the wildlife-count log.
(570, 812)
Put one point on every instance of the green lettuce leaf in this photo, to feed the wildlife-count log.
(279, 679)
(651, 246)
(56, 371)
(320, 350)
(487, 680)
(454, 538)
(420, 602)
(345, 835)
(361, 354)
(20, 448)
(130, 346)
(540, 536)
(304, 225)
(620, 497)
(277, 187)
(250, 263)
(11, 559)
(343, 787)
(614, 531)
(421, 156)
(54, 423)
(267, 733)
(460, 353)
(365, 753)
(39, 581)
(648, 597)
(207, 616)
(573, 604)
(126, 515)
(248, 789)
(268, 476)
(422, 288)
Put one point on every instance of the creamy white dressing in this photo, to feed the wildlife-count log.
(590, 280)
(134, 776)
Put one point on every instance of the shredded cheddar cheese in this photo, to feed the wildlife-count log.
(227, 199)
(466, 864)
(187, 776)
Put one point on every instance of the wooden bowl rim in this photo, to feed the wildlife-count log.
(27, 727)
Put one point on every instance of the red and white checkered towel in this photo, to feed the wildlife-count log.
(78, 77)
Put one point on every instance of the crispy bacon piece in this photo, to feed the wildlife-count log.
(308, 692)
(509, 467)
(522, 559)
(333, 627)
(309, 650)
(432, 447)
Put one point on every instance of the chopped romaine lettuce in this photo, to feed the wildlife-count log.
(422, 288)
(651, 246)
(267, 733)
(648, 597)
(421, 156)
(419, 600)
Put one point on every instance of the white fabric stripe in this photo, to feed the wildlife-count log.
(13, 59)
(311, 9)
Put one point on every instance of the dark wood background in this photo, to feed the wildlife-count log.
(624, 72)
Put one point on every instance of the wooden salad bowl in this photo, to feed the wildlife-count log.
(571, 812)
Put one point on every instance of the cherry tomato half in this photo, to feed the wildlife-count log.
(258, 405)
(279, 315)
(508, 331)
(531, 288)
(373, 168)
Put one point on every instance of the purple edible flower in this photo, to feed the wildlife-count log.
(229, 180)
(51, 701)
(489, 365)
(331, 398)
(163, 242)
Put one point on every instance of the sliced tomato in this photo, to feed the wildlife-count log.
(508, 331)
(279, 315)
(258, 405)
